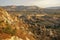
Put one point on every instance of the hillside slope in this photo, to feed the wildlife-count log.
(29, 27)
(10, 26)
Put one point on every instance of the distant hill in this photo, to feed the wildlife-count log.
(33, 9)
(21, 8)
(57, 7)
(52, 10)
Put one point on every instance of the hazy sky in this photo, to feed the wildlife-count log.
(41, 3)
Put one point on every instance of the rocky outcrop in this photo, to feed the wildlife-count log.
(5, 16)
(10, 27)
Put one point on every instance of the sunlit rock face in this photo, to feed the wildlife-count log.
(13, 29)
(13, 38)
(16, 38)
(5, 16)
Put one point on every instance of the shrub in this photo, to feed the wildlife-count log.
(9, 30)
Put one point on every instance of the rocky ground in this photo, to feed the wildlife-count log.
(29, 27)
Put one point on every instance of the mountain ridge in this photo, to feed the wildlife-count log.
(19, 8)
(56, 7)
